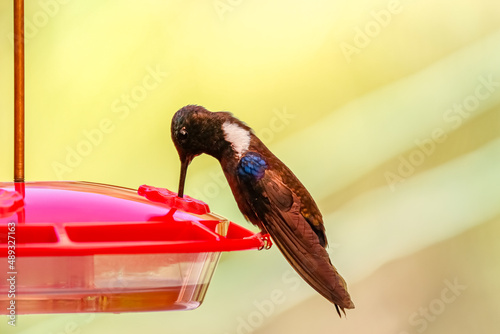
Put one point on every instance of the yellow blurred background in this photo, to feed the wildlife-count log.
(387, 110)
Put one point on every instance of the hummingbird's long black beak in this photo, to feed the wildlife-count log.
(185, 161)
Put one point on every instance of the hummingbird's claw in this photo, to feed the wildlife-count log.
(267, 242)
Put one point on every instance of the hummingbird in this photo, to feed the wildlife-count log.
(266, 191)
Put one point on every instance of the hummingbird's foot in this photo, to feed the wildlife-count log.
(266, 238)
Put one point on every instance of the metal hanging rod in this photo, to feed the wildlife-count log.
(19, 90)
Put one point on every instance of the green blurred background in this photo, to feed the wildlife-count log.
(388, 111)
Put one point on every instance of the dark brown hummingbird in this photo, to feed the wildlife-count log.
(268, 194)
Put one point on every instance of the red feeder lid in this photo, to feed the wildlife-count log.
(77, 218)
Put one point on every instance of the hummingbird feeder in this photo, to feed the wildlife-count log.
(86, 247)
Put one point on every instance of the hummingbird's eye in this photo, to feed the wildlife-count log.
(183, 134)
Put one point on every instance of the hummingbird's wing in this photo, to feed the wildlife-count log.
(281, 214)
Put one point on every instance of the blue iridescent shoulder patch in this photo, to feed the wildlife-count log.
(252, 165)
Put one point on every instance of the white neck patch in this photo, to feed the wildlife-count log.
(237, 136)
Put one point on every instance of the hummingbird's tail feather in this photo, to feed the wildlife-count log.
(301, 247)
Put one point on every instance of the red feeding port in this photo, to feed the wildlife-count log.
(162, 195)
(10, 202)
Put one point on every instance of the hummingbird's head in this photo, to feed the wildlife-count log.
(191, 126)
(195, 130)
